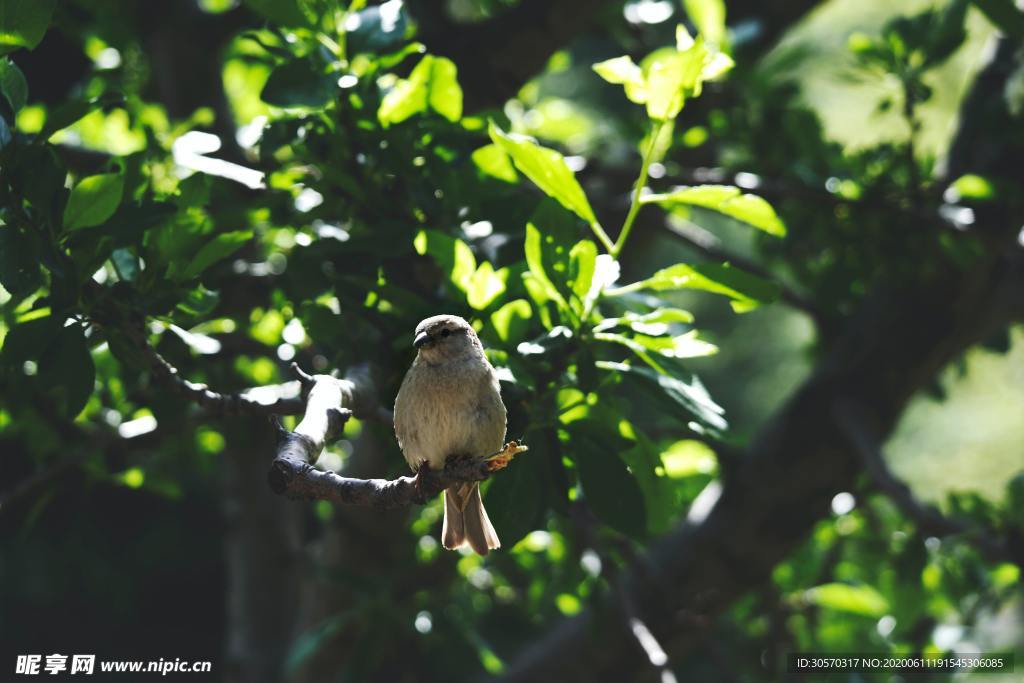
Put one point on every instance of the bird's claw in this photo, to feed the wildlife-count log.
(501, 459)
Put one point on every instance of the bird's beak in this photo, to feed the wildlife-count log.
(422, 339)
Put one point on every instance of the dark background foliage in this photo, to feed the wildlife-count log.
(238, 185)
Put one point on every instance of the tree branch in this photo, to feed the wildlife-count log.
(330, 403)
(928, 518)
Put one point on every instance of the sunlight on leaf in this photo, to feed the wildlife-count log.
(93, 200)
(547, 169)
(725, 199)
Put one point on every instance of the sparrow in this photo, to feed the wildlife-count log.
(449, 406)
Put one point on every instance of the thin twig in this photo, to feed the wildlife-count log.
(286, 398)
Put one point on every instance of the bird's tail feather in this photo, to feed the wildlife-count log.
(466, 521)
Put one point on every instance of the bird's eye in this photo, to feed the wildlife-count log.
(445, 333)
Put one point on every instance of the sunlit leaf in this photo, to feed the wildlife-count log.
(547, 169)
(452, 255)
(686, 345)
(654, 323)
(218, 248)
(622, 70)
(495, 162)
(432, 83)
(93, 200)
(511, 320)
(443, 92)
(582, 263)
(485, 286)
(709, 18)
(746, 291)
(727, 200)
(842, 597)
(687, 458)
(973, 187)
(533, 249)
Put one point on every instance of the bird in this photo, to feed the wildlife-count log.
(449, 406)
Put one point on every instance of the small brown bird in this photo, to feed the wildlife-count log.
(449, 406)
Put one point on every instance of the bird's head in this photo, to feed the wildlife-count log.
(444, 337)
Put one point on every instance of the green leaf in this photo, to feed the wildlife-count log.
(126, 263)
(535, 261)
(582, 262)
(66, 369)
(692, 397)
(842, 597)
(655, 323)
(5, 133)
(218, 248)
(547, 169)
(93, 200)
(727, 200)
(12, 84)
(688, 458)
(19, 268)
(672, 77)
(709, 18)
(452, 255)
(516, 497)
(746, 291)
(26, 340)
(609, 487)
(660, 492)
(511, 320)
(686, 345)
(485, 286)
(432, 83)
(495, 162)
(300, 83)
(65, 115)
(23, 23)
(379, 29)
(443, 92)
(622, 70)
(280, 12)
(973, 187)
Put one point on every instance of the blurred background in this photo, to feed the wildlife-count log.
(273, 205)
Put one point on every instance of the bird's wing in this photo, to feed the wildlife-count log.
(404, 420)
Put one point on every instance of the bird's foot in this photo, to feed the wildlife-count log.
(501, 459)
(424, 477)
